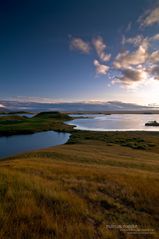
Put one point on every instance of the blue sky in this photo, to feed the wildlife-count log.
(79, 50)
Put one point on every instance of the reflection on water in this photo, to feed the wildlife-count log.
(114, 122)
(12, 145)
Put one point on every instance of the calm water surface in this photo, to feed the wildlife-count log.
(12, 145)
(114, 122)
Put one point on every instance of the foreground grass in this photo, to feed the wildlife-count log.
(76, 190)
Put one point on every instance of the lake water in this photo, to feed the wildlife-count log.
(16, 144)
(114, 122)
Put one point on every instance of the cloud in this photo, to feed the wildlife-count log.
(131, 76)
(138, 63)
(100, 47)
(150, 17)
(100, 68)
(134, 65)
(127, 58)
(129, 26)
(85, 47)
(155, 37)
(154, 71)
(136, 41)
(154, 57)
(35, 99)
(80, 45)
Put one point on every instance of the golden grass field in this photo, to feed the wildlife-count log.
(75, 190)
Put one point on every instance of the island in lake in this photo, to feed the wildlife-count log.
(152, 123)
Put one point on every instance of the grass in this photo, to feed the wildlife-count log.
(135, 140)
(13, 124)
(77, 189)
(14, 112)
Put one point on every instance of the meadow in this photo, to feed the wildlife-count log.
(16, 124)
(81, 190)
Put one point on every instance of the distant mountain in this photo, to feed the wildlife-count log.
(69, 107)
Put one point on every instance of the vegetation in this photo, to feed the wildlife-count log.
(75, 190)
(18, 112)
(78, 190)
(14, 112)
(14, 124)
(135, 140)
(53, 114)
(8, 120)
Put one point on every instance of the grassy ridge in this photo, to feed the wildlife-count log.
(12, 125)
(75, 190)
(136, 140)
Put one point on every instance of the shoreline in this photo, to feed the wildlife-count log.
(95, 178)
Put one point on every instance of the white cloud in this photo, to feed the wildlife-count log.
(80, 45)
(155, 37)
(136, 41)
(2, 106)
(85, 47)
(100, 47)
(154, 57)
(100, 68)
(127, 58)
(150, 18)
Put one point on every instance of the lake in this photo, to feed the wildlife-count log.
(114, 122)
(12, 145)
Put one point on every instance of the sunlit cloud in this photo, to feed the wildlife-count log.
(100, 47)
(126, 59)
(100, 68)
(136, 41)
(137, 62)
(131, 76)
(80, 45)
(154, 57)
(150, 17)
(155, 37)
(138, 66)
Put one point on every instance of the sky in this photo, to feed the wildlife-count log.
(71, 51)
